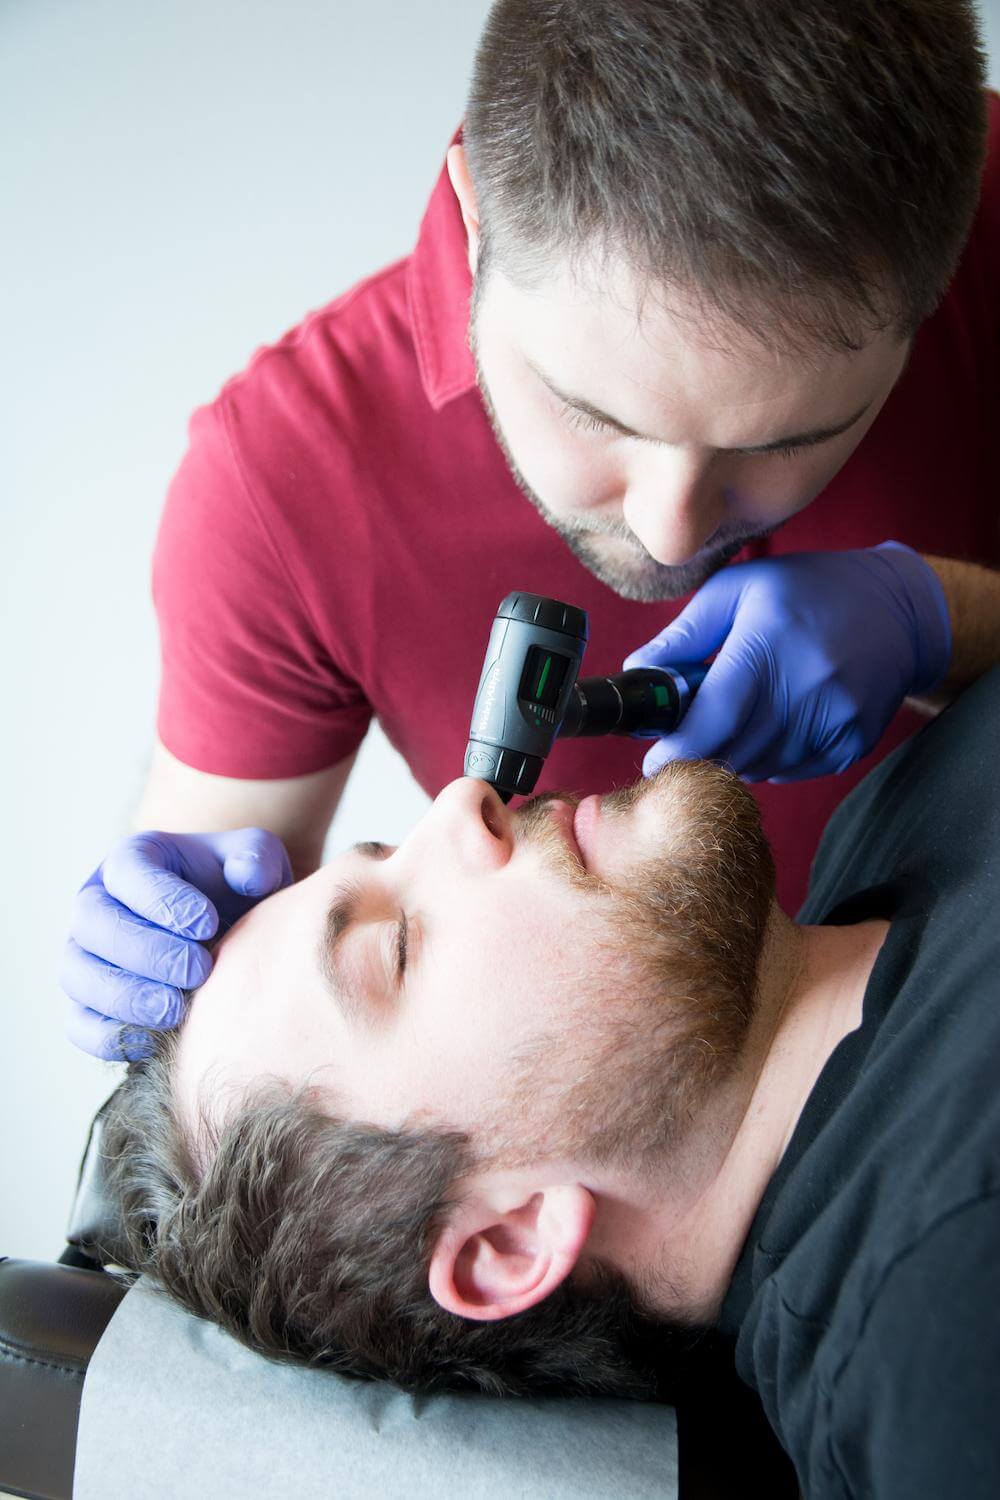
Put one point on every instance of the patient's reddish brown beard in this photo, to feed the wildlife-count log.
(620, 1084)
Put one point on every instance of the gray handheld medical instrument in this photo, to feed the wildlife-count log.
(530, 691)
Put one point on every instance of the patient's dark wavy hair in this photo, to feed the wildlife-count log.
(308, 1238)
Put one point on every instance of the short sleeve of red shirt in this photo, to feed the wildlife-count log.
(248, 687)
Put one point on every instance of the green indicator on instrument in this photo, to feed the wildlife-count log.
(543, 677)
(661, 695)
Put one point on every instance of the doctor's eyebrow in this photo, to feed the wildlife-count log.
(340, 914)
(795, 440)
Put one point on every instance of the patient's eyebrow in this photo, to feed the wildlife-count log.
(340, 914)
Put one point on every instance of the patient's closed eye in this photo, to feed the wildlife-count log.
(393, 942)
(375, 849)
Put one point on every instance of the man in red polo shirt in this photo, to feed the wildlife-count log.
(736, 301)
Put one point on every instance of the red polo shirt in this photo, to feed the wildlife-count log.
(336, 541)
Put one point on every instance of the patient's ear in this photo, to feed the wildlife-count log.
(458, 171)
(502, 1252)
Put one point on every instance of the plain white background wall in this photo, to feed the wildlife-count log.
(180, 184)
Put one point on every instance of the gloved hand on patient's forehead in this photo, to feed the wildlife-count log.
(139, 924)
(816, 652)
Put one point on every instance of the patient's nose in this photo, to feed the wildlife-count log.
(475, 822)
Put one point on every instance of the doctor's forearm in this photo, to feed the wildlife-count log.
(973, 595)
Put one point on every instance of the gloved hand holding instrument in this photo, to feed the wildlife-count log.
(815, 652)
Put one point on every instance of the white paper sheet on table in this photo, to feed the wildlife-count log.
(174, 1406)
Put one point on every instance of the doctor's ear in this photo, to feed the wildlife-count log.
(504, 1250)
(458, 171)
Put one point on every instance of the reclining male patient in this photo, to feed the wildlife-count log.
(562, 1105)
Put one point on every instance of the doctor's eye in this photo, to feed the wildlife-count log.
(583, 419)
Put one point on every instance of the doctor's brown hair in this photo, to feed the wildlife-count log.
(810, 171)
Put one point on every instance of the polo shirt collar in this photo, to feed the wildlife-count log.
(440, 288)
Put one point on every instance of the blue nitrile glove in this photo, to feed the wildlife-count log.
(817, 650)
(123, 967)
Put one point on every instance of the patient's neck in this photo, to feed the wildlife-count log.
(684, 1235)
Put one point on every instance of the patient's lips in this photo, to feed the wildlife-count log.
(584, 825)
(564, 814)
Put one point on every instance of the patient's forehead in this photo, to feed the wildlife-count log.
(245, 1017)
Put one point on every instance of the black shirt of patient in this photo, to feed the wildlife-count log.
(866, 1301)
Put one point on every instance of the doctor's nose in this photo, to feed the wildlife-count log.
(673, 509)
(476, 824)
